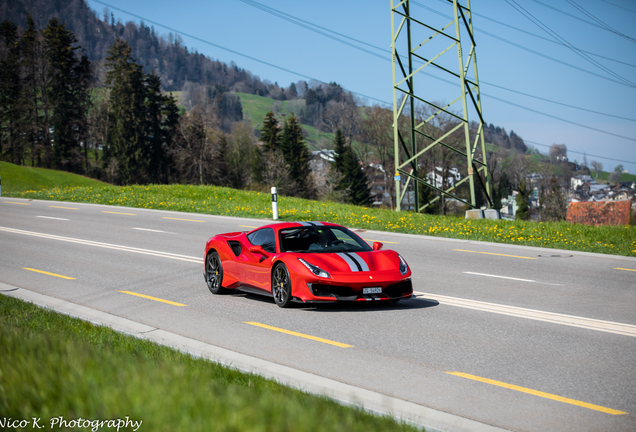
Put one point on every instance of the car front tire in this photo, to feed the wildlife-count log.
(214, 273)
(281, 286)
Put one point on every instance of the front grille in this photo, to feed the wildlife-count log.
(332, 290)
(398, 289)
(392, 291)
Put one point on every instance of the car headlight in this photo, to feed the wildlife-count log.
(314, 269)
(404, 268)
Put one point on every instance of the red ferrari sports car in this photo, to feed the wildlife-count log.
(307, 262)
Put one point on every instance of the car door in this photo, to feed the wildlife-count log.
(256, 269)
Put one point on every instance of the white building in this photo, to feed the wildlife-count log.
(436, 177)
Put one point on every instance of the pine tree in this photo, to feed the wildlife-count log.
(31, 59)
(555, 205)
(11, 92)
(353, 182)
(359, 193)
(426, 196)
(162, 116)
(67, 90)
(222, 174)
(270, 133)
(523, 207)
(296, 154)
(340, 147)
(127, 113)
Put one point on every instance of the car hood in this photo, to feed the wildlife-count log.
(347, 262)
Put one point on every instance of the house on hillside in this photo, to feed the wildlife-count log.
(578, 181)
(319, 163)
(436, 178)
(378, 186)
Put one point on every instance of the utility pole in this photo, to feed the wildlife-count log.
(413, 61)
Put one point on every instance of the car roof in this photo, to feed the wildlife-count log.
(284, 225)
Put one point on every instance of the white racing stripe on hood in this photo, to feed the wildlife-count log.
(309, 223)
(358, 258)
(355, 262)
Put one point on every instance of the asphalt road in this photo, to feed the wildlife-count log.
(521, 338)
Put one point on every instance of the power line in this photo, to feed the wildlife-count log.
(228, 49)
(559, 118)
(583, 153)
(536, 111)
(574, 16)
(615, 5)
(555, 35)
(310, 78)
(533, 51)
(552, 41)
(310, 27)
(298, 21)
(603, 24)
(295, 20)
(519, 30)
(558, 103)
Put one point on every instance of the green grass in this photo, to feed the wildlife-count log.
(54, 365)
(20, 178)
(256, 107)
(603, 176)
(618, 240)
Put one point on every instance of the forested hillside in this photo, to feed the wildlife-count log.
(67, 75)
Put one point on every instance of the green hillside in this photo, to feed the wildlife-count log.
(21, 179)
(255, 107)
(603, 177)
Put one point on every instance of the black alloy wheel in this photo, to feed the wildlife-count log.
(214, 273)
(281, 286)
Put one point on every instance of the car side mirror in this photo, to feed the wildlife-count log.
(377, 246)
(258, 250)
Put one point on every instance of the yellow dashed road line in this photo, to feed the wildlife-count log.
(293, 333)
(153, 298)
(111, 212)
(539, 393)
(187, 220)
(47, 273)
(491, 253)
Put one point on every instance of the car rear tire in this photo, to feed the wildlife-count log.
(281, 286)
(214, 273)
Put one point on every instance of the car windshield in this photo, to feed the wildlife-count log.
(321, 239)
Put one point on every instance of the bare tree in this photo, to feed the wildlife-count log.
(344, 116)
(194, 150)
(378, 146)
(596, 166)
(553, 201)
(276, 172)
(615, 176)
(240, 156)
(558, 153)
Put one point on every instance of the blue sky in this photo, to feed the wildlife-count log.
(509, 53)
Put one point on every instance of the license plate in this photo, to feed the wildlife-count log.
(374, 290)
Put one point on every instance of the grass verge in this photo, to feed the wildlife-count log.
(617, 240)
(17, 178)
(54, 365)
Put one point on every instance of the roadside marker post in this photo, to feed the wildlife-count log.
(275, 203)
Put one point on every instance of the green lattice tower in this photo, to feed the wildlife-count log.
(410, 65)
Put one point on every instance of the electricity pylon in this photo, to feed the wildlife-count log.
(409, 62)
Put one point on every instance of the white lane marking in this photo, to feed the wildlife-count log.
(510, 278)
(106, 245)
(152, 230)
(501, 277)
(51, 217)
(551, 317)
